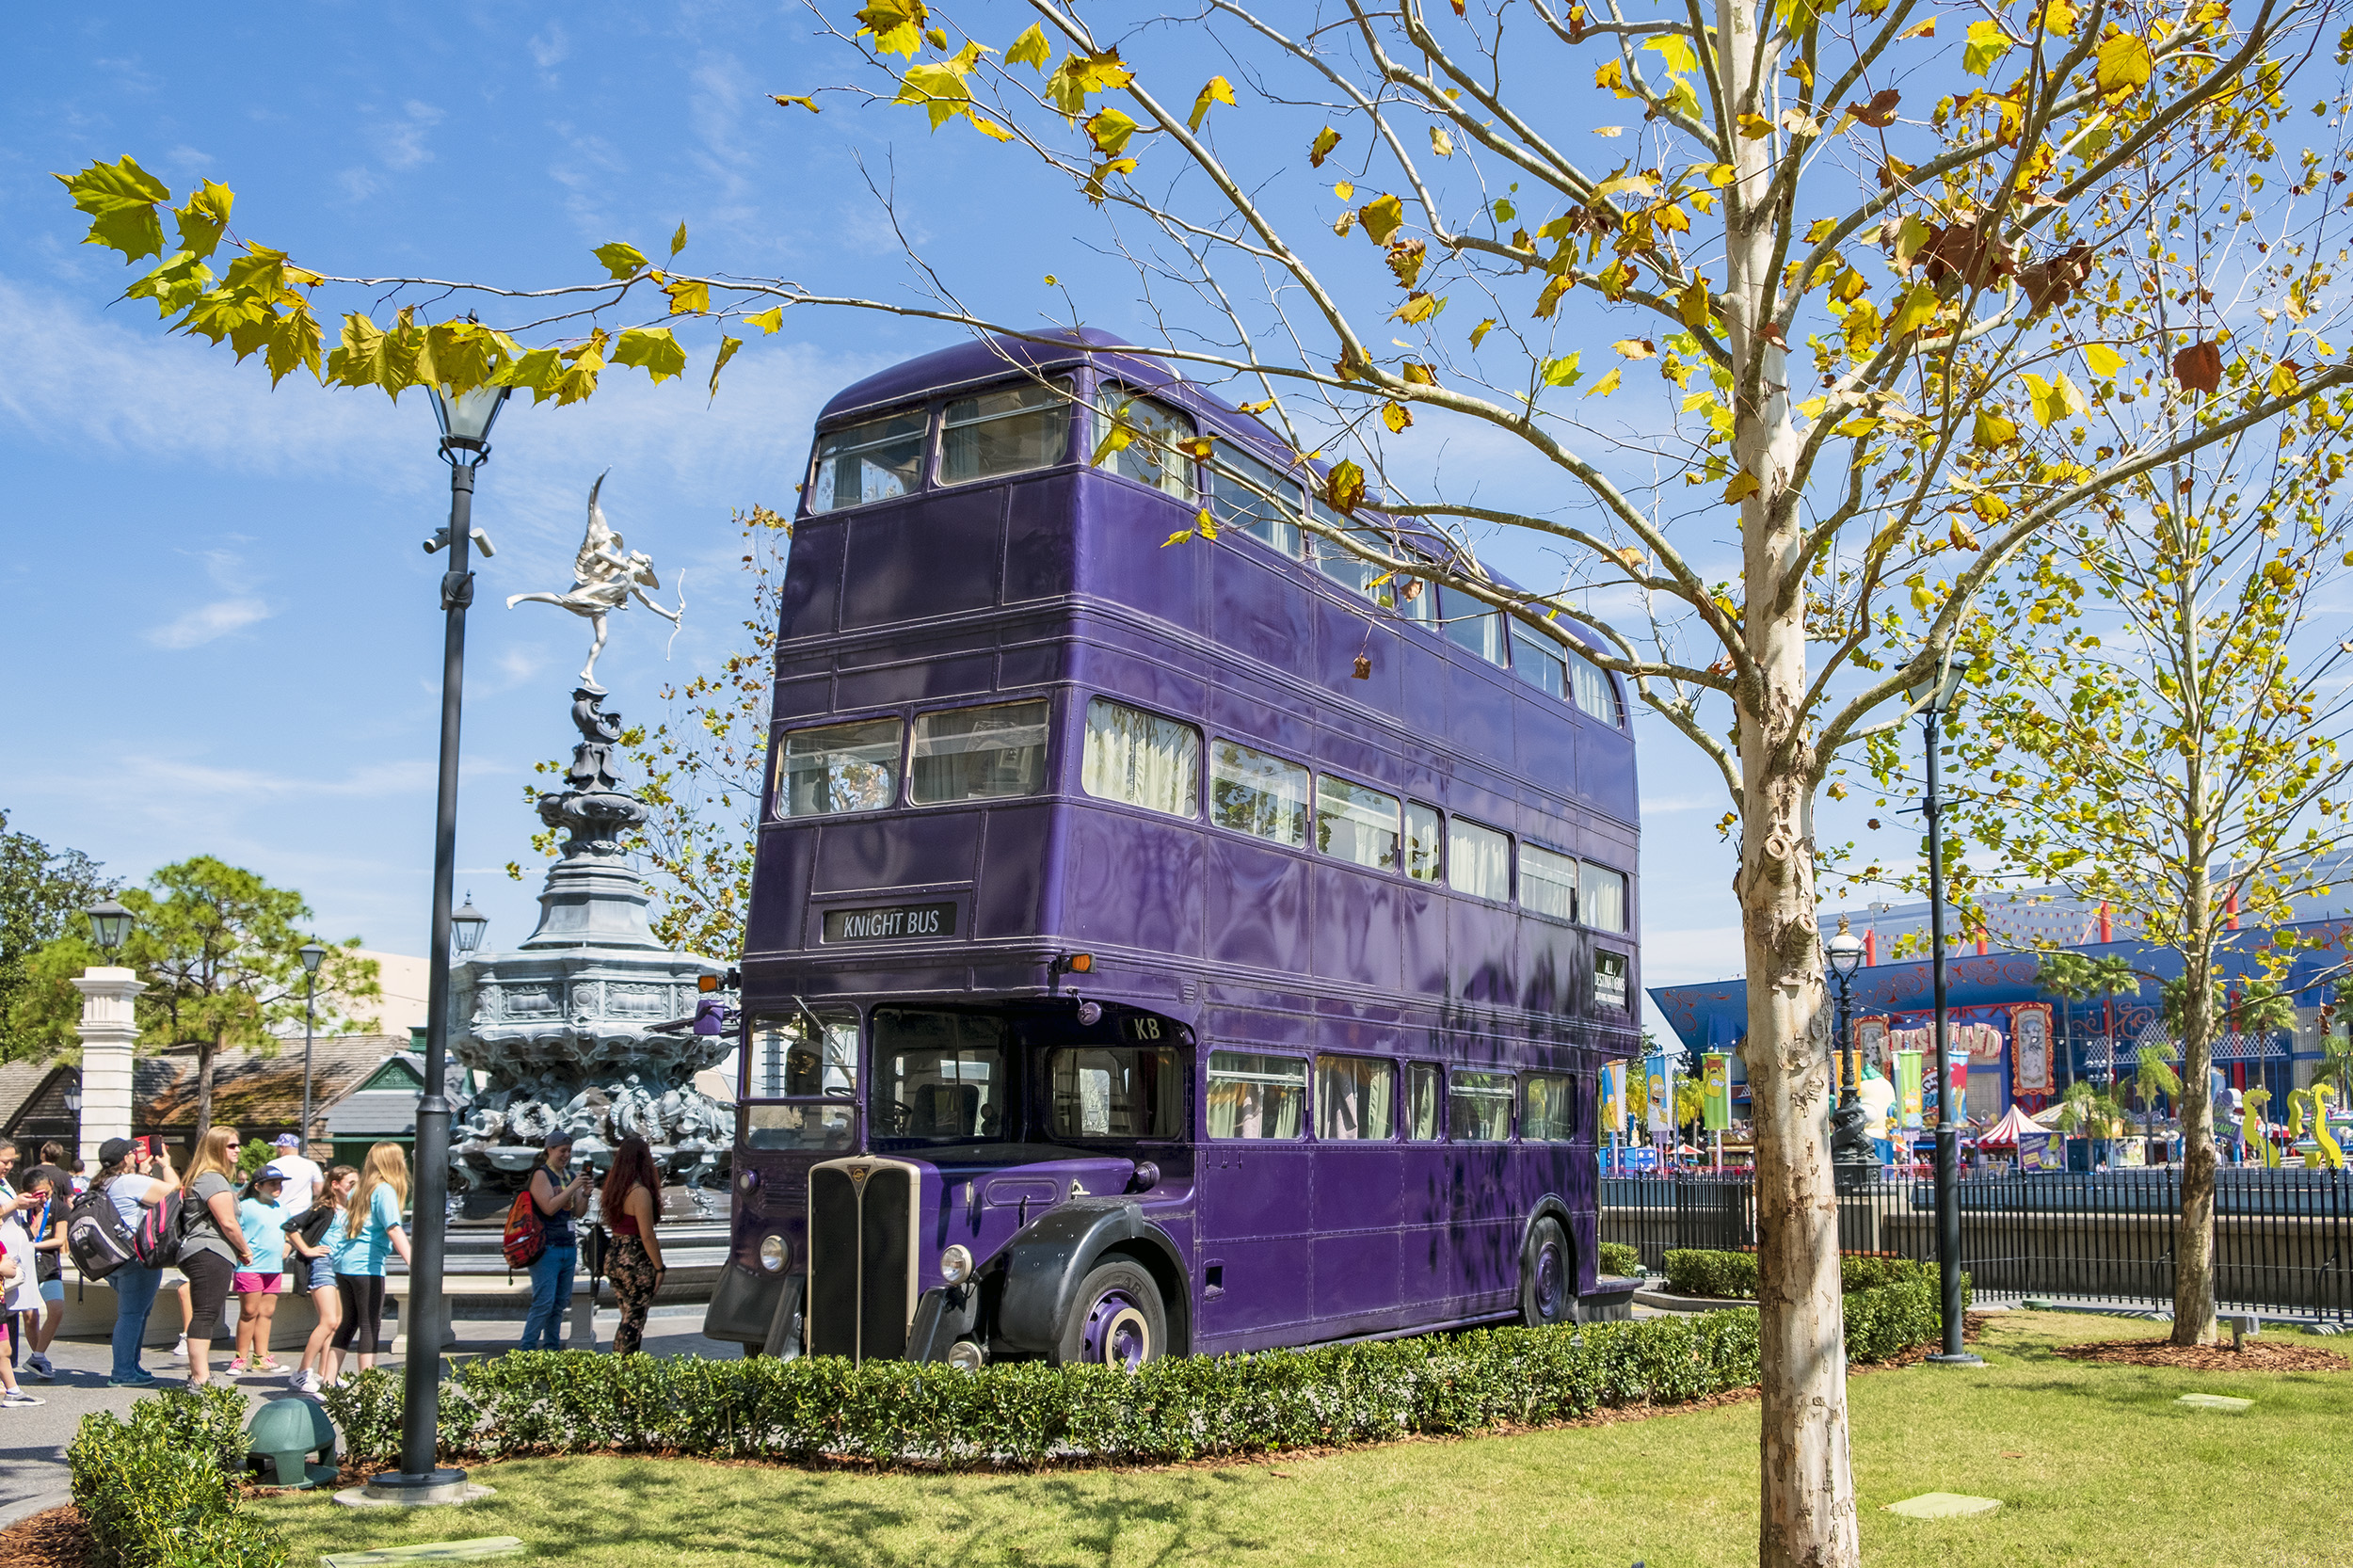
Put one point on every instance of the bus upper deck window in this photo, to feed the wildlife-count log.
(1595, 695)
(1256, 1096)
(841, 767)
(1479, 860)
(1421, 1102)
(1140, 758)
(1246, 494)
(1478, 1107)
(1356, 1097)
(978, 753)
(1004, 431)
(1253, 793)
(1356, 823)
(1472, 624)
(1538, 659)
(1601, 899)
(873, 461)
(1425, 853)
(1413, 597)
(1548, 883)
(1150, 455)
(1337, 562)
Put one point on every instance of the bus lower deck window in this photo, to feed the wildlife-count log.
(1140, 758)
(838, 768)
(822, 1125)
(1548, 1111)
(978, 753)
(1253, 792)
(940, 1075)
(1356, 1097)
(1478, 1107)
(875, 461)
(801, 1053)
(1356, 823)
(1118, 1091)
(1479, 860)
(1548, 883)
(1425, 854)
(1601, 897)
(1257, 1095)
(1421, 1102)
(1006, 431)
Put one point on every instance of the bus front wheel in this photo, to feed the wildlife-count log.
(1545, 1275)
(1116, 1320)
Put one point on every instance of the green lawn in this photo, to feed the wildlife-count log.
(2093, 1465)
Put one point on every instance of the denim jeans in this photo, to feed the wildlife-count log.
(550, 1293)
(135, 1297)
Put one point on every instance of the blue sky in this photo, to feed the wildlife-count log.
(223, 635)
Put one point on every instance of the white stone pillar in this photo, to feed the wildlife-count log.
(110, 1033)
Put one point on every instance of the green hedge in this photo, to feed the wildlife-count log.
(1617, 1257)
(1029, 1414)
(158, 1489)
(1694, 1273)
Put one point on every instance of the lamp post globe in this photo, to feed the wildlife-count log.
(109, 924)
(467, 925)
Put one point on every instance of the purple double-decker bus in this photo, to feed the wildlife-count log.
(1157, 948)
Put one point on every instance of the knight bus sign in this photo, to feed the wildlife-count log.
(1158, 949)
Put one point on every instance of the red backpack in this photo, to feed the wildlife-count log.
(526, 1234)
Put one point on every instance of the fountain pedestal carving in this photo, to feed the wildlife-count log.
(562, 1029)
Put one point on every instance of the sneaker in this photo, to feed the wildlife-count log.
(304, 1380)
(179, 1350)
(237, 1367)
(39, 1366)
(145, 1379)
(267, 1364)
(15, 1397)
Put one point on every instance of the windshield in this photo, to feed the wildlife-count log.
(1118, 1091)
(941, 1076)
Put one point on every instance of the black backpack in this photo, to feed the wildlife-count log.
(95, 1233)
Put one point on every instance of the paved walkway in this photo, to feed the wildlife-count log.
(33, 1441)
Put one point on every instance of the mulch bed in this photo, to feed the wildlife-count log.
(2261, 1355)
(56, 1539)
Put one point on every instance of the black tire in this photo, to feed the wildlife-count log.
(1116, 1320)
(1548, 1292)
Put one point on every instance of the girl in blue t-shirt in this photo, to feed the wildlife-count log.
(258, 1282)
(371, 1231)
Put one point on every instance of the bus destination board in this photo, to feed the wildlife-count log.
(898, 922)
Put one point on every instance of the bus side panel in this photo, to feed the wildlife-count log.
(1133, 881)
(932, 557)
(1358, 1222)
(1354, 938)
(1257, 904)
(1488, 1214)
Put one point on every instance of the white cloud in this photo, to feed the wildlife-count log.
(208, 621)
(549, 46)
(401, 143)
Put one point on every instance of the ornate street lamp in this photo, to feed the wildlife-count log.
(1853, 1163)
(312, 955)
(1931, 696)
(467, 925)
(109, 923)
(465, 419)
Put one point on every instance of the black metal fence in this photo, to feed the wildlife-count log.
(2283, 1239)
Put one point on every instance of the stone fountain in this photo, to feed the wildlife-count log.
(590, 1024)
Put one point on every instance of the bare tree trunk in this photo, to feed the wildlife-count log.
(2193, 1238)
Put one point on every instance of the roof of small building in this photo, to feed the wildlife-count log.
(249, 1086)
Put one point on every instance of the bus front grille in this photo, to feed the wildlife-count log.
(861, 1257)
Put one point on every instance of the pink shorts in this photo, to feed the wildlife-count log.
(259, 1285)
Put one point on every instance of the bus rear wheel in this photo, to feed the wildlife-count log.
(1545, 1275)
(1116, 1320)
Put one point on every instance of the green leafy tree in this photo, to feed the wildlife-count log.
(1879, 272)
(43, 894)
(2077, 977)
(2092, 1112)
(701, 769)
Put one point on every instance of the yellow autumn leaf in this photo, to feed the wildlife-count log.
(1692, 304)
(1219, 90)
(1991, 430)
(1440, 143)
(2124, 64)
(1917, 311)
(1918, 29)
(2103, 359)
(1417, 308)
(770, 320)
(2055, 399)
(1609, 130)
(1396, 417)
(1380, 218)
(1755, 126)
(1206, 523)
(1743, 485)
(1604, 387)
(1634, 348)
(1345, 190)
(1030, 49)
(1482, 330)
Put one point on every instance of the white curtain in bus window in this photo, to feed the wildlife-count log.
(1246, 494)
(978, 753)
(1478, 1107)
(1356, 823)
(1150, 457)
(1425, 856)
(1591, 684)
(1253, 793)
(1550, 1112)
(1609, 979)
(1140, 758)
(1252, 1096)
(1118, 1091)
(794, 1055)
(1356, 1097)
(1538, 659)
(1601, 898)
(842, 767)
(1472, 625)
(1334, 559)
(1004, 431)
(1479, 860)
(1548, 882)
(1421, 1102)
(872, 461)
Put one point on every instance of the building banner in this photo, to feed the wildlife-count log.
(2030, 1043)
(2040, 1151)
(1716, 1092)
(1662, 1112)
(1908, 1087)
(1613, 1097)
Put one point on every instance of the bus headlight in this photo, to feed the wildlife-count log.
(956, 1265)
(965, 1356)
(772, 1253)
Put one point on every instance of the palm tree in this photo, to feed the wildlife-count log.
(2154, 1078)
(2075, 977)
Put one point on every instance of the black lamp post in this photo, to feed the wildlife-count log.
(465, 419)
(1932, 698)
(1853, 1165)
(109, 923)
(312, 955)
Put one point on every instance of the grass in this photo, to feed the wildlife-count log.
(2095, 1464)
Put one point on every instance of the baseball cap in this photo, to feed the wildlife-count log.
(114, 1149)
(285, 1140)
(560, 1138)
(273, 1173)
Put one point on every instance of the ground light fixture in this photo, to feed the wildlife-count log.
(109, 924)
(1931, 698)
